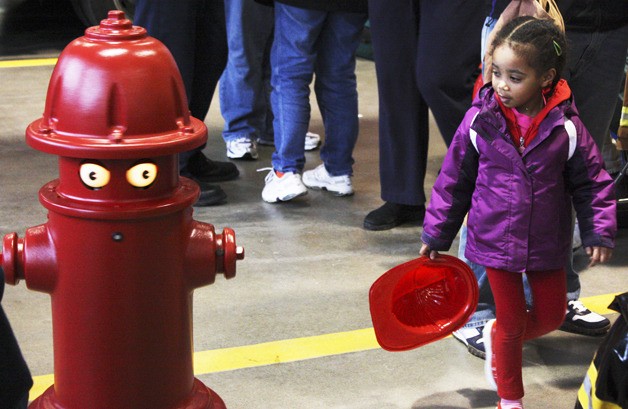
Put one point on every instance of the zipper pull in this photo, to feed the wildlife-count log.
(521, 140)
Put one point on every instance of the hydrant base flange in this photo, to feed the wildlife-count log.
(201, 397)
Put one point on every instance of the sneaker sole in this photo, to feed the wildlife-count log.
(246, 156)
(476, 352)
(311, 147)
(285, 198)
(575, 329)
(334, 192)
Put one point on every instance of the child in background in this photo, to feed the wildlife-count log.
(518, 161)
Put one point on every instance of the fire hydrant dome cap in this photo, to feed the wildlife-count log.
(421, 301)
(116, 93)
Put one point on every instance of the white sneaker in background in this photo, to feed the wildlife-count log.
(242, 148)
(312, 141)
(319, 178)
(284, 188)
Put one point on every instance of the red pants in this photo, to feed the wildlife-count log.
(515, 323)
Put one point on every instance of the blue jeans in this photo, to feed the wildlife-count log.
(309, 42)
(245, 84)
(485, 310)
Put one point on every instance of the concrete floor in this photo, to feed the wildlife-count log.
(308, 269)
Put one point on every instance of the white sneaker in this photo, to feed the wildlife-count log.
(312, 140)
(282, 189)
(320, 179)
(242, 148)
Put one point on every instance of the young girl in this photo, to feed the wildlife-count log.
(518, 161)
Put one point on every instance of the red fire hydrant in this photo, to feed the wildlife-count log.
(120, 254)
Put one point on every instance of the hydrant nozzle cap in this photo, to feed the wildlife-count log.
(115, 27)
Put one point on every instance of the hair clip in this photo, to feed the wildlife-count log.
(557, 48)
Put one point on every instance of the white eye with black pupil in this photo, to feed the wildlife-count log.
(142, 175)
(94, 176)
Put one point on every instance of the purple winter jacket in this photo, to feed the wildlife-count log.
(520, 205)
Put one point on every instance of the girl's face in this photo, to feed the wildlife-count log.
(517, 83)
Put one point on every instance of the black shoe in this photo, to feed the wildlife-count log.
(392, 214)
(211, 195)
(580, 320)
(203, 169)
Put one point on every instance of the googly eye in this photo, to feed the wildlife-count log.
(142, 175)
(93, 175)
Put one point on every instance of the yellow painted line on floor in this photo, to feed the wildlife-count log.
(297, 349)
(38, 62)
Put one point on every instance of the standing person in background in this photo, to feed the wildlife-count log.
(314, 38)
(245, 84)
(426, 55)
(519, 161)
(597, 32)
(194, 32)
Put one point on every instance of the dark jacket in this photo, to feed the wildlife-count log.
(15, 378)
(352, 6)
(519, 205)
(585, 15)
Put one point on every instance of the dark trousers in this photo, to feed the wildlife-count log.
(194, 32)
(426, 53)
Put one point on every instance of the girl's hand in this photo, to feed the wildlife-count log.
(425, 251)
(598, 254)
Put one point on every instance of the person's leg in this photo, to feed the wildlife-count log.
(176, 24)
(548, 290)
(336, 89)
(267, 133)
(243, 102)
(595, 67)
(448, 59)
(514, 323)
(293, 59)
(403, 114)
(210, 49)
(508, 332)
(210, 58)
(403, 133)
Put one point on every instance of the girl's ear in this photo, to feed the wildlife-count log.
(548, 77)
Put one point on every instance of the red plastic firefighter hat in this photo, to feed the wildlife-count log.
(421, 301)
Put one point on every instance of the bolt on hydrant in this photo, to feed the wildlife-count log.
(120, 254)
